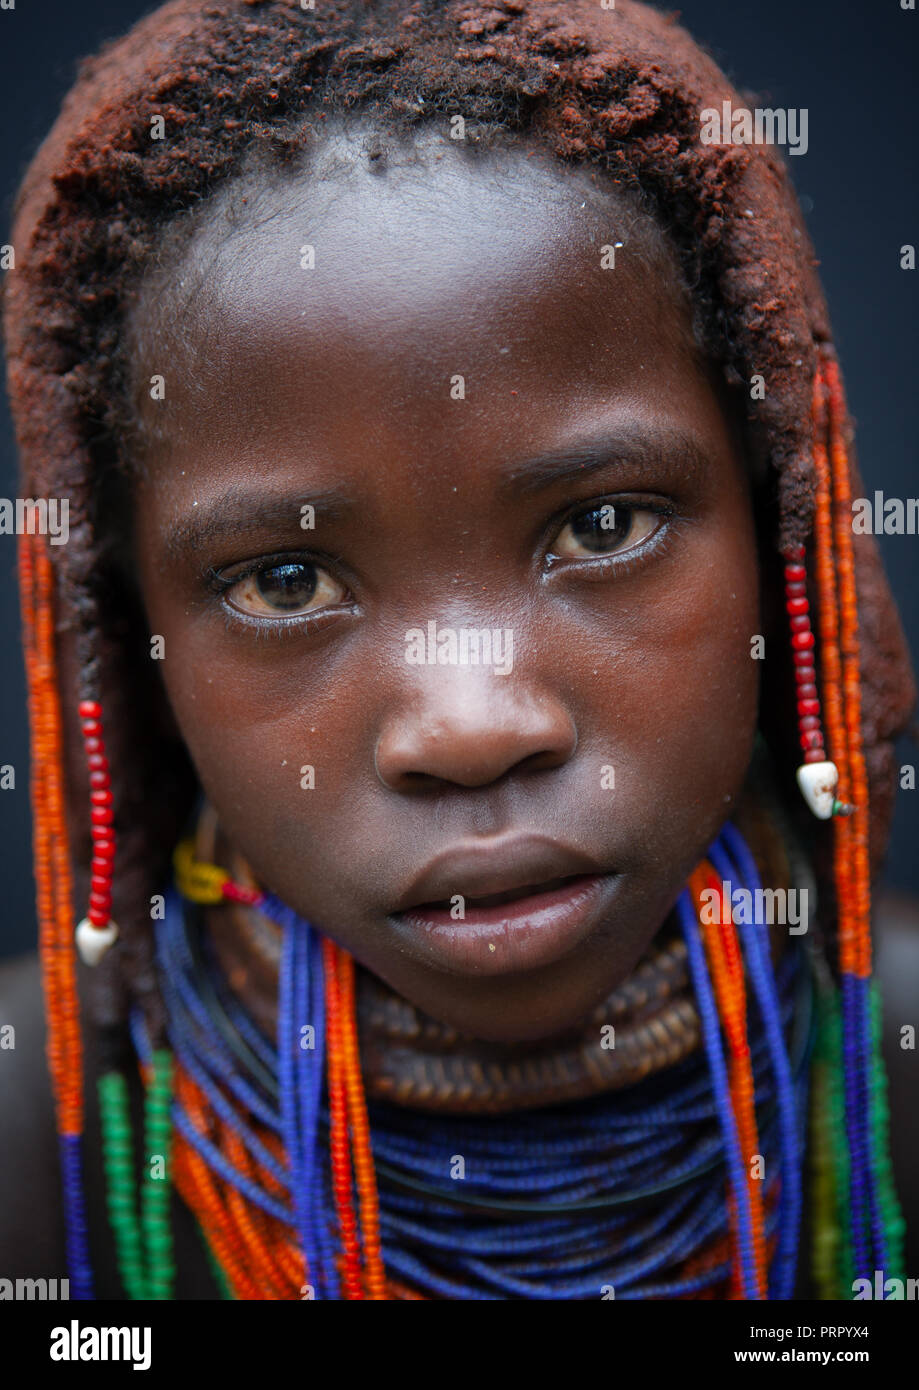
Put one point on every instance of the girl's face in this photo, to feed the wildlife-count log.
(514, 450)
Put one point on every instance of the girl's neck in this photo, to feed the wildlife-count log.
(411, 1059)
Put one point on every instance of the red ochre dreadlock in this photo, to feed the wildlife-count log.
(618, 89)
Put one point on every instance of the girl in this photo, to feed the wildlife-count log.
(460, 594)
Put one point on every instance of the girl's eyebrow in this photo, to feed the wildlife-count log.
(247, 513)
(635, 444)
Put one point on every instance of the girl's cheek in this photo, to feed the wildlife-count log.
(685, 708)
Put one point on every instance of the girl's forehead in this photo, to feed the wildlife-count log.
(374, 227)
(504, 271)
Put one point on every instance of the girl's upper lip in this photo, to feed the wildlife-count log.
(478, 868)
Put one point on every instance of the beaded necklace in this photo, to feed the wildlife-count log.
(483, 1236)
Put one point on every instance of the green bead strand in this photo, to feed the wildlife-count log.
(892, 1216)
(144, 1247)
(832, 1258)
(118, 1159)
(156, 1190)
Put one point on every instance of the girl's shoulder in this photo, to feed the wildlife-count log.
(31, 1221)
(31, 1209)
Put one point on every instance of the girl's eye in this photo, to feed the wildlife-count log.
(285, 590)
(605, 529)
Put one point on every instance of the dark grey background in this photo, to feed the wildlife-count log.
(852, 65)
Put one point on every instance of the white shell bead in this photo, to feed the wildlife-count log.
(818, 782)
(93, 942)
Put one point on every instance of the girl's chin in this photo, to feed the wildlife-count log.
(523, 1021)
(522, 1008)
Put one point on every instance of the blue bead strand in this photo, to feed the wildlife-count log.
(711, 1036)
(755, 941)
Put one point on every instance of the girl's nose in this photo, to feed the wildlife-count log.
(470, 726)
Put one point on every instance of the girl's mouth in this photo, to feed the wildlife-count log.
(509, 896)
(502, 933)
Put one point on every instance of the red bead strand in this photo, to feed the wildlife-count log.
(797, 607)
(102, 814)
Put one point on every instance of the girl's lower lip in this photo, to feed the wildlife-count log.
(517, 935)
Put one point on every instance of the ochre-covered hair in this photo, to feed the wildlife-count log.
(617, 89)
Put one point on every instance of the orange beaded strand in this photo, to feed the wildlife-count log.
(338, 1139)
(831, 671)
(62, 879)
(205, 1197)
(193, 1184)
(851, 678)
(726, 968)
(289, 1257)
(250, 1222)
(51, 853)
(365, 1174)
